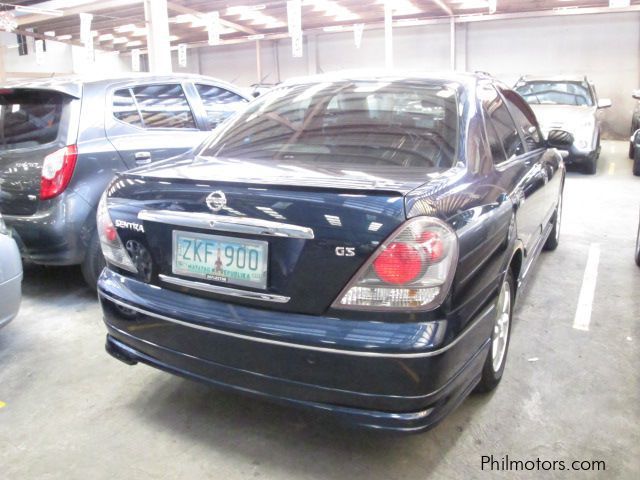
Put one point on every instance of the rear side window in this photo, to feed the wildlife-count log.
(125, 109)
(157, 106)
(497, 150)
(524, 118)
(218, 103)
(29, 118)
(498, 115)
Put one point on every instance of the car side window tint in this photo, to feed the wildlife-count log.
(525, 119)
(124, 107)
(163, 106)
(503, 123)
(218, 103)
(495, 144)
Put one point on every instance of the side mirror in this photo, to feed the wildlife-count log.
(255, 94)
(636, 94)
(560, 139)
(604, 103)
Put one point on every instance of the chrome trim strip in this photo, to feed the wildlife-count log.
(232, 292)
(281, 343)
(223, 223)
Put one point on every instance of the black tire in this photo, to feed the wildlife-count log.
(591, 165)
(631, 150)
(554, 237)
(93, 262)
(636, 163)
(491, 375)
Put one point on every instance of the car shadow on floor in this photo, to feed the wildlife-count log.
(43, 282)
(274, 436)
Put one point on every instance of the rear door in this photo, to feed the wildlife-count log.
(517, 168)
(218, 102)
(33, 124)
(151, 122)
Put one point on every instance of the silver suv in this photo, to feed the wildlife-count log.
(568, 103)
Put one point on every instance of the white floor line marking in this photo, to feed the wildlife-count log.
(612, 168)
(585, 300)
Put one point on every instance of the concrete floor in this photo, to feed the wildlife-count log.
(71, 411)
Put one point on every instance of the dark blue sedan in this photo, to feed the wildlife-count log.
(351, 244)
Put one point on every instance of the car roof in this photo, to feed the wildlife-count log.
(73, 84)
(553, 78)
(461, 78)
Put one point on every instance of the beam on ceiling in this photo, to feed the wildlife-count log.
(39, 36)
(190, 11)
(85, 8)
(444, 7)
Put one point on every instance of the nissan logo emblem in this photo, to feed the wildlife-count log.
(216, 201)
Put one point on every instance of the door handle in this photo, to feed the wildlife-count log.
(142, 158)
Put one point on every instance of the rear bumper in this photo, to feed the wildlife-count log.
(10, 280)
(394, 377)
(57, 234)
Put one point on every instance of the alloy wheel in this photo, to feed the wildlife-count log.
(501, 327)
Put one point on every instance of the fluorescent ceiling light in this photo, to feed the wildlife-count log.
(64, 37)
(138, 32)
(253, 14)
(173, 38)
(129, 27)
(50, 33)
(39, 11)
(199, 22)
(619, 3)
(118, 40)
(135, 43)
(105, 37)
(332, 9)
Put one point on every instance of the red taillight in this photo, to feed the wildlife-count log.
(57, 171)
(412, 269)
(111, 233)
(398, 264)
(432, 245)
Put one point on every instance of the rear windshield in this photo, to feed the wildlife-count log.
(556, 93)
(399, 124)
(29, 118)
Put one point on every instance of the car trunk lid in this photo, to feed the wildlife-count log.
(318, 224)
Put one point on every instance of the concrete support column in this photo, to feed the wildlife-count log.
(157, 19)
(258, 61)
(312, 54)
(452, 41)
(3, 72)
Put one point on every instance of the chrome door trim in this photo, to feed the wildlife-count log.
(231, 292)
(223, 223)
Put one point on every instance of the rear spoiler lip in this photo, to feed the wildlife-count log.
(70, 89)
(397, 190)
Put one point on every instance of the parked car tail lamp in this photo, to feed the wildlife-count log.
(57, 171)
(412, 270)
(112, 248)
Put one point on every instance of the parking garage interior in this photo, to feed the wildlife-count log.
(567, 405)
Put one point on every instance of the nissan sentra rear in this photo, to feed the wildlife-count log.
(307, 253)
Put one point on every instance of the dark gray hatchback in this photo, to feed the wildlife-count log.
(62, 141)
